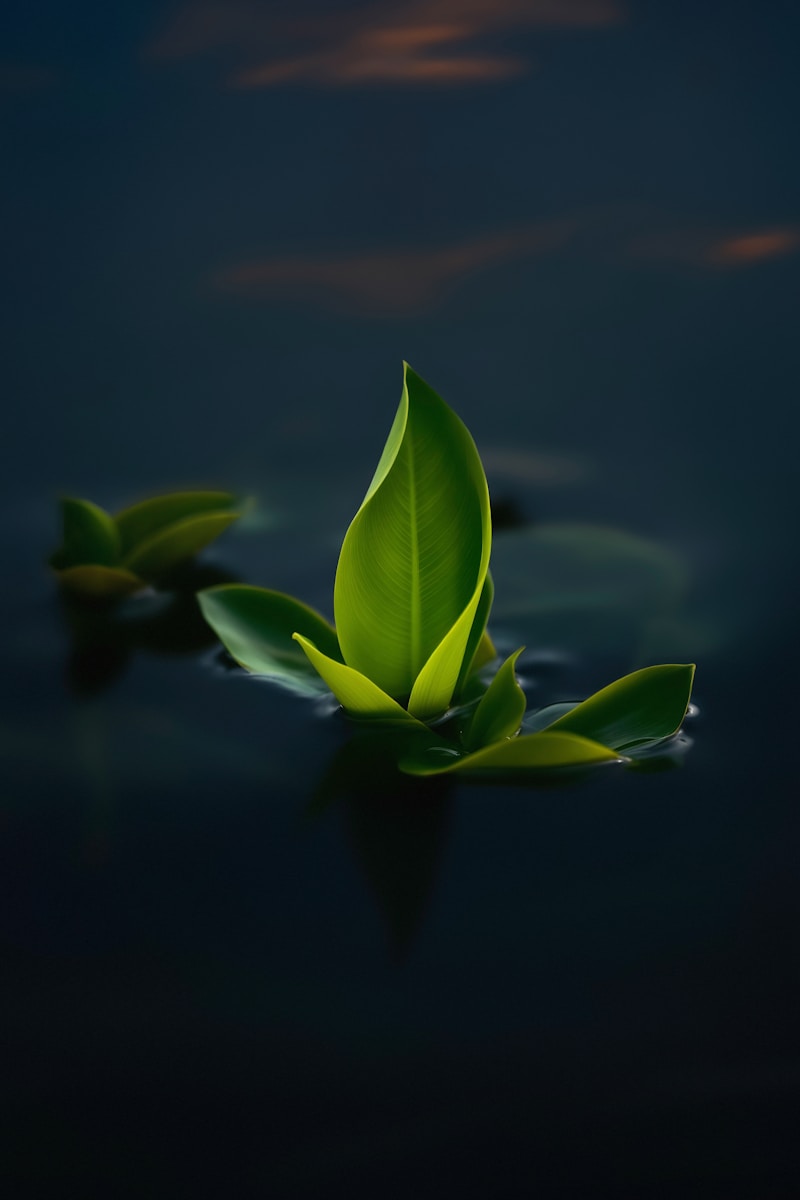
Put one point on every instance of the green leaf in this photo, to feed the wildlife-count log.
(645, 705)
(500, 710)
(516, 756)
(175, 543)
(140, 521)
(256, 625)
(358, 695)
(414, 560)
(90, 536)
(480, 647)
(99, 582)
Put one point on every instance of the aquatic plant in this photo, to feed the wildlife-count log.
(107, 557)
(409, 648)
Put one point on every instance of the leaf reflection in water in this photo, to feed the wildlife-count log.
(396, 826)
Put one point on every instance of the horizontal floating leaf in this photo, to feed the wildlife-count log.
(89, 536)
(500, 710)
(175, 543)
(528, 753)
(414, 560)
(140, 521)
(645, 705)
(256, 627)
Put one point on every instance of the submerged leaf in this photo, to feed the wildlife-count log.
(589, 587)
(89, 536)
(414, 560)
(540, 718)
(500, 710)
(531, 752)
(141, 521)
(256, 627)
(643, 706)
(175, 543)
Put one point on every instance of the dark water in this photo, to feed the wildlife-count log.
(236, 960)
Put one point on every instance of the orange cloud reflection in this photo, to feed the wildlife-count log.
(754, 247)
(386, 55)
(391, 43)
(386, 282)
(716, 248)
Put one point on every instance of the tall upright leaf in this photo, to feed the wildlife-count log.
(414, 560)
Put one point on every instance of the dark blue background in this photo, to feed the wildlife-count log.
(224, 225)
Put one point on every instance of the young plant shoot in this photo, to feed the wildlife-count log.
(409, 645)
(107, 557)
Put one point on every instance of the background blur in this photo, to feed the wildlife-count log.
(229, 963)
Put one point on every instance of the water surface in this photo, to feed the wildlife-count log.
(227, 957)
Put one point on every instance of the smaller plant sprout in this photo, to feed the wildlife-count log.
(105, 558)
(409, 648)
